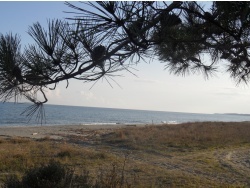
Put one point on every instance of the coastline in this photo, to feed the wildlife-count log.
(58, 131)
(87, 130)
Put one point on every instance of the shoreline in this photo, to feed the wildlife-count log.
(63, 131)
(57, 131)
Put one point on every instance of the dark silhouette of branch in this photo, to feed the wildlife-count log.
(93, 45)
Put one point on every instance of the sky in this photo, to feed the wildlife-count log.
(152, 89)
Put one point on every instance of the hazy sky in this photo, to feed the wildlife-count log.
(153, 88)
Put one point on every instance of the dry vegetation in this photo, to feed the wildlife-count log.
(209, 154)
(188, 136)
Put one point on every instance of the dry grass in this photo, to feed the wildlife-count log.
(209, 154)
(19, 154)
(187, 137)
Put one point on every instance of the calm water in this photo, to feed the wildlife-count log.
(69, 115)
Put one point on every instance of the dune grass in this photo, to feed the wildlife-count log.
(186, 136)
(19, 154)
(207, 154)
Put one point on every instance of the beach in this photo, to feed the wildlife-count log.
(201, 154)
(57, 131)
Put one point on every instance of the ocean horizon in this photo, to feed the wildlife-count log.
(10, 115)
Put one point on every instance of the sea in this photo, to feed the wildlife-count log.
(10, 115)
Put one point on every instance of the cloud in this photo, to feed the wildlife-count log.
(58, 92)
(97, 99)
(88, 95)
(54, 93)
(231, 91)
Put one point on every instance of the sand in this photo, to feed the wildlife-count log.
(56, 131)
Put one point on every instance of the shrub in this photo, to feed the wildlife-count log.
(53, 175)
(12, 182)
(56, 175)
(63, 154)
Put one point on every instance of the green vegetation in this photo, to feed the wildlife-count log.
(209, 154)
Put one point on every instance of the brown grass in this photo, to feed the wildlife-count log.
(187, 136)
(184, 155)
(19, 154)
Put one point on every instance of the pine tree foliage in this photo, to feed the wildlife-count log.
(100, 39)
